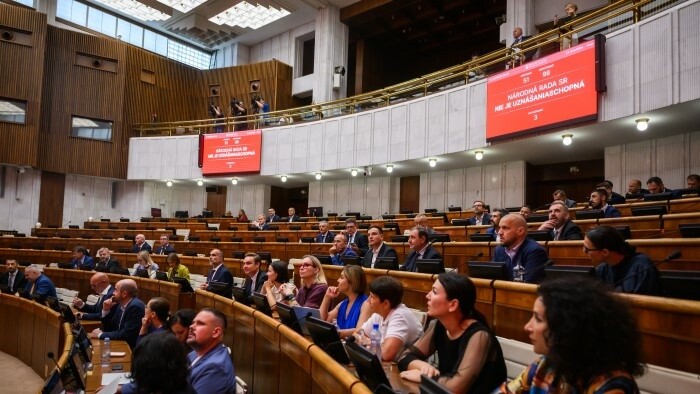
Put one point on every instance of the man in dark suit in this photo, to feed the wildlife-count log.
(480, 216)
(272, 216)
(219, 274)
(122, 314)
(521, 57)
(635, 187)
(324, 235)
(12, 277)
(140, 244)
(560, 195)
(38, 283)
(517, 250)
(421, 249)
(340, 249)
(292, 215)
(255, 278)
(106, 262)
(613, 198)
(559, 223)
(165, 247)
(81, 260)
(357, 241)
(377, 247)
(599, 200)
(99, 283)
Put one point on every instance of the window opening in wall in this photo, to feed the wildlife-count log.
(91, 128)
(307, 60)
(13, 111)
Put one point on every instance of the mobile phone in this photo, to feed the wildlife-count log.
(117, 367)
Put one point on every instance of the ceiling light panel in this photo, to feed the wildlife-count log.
(246, 15)
(136, 9)
(183, 5)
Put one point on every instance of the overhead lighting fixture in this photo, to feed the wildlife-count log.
(136, 9)
(567, 139)
(318, 176)
(200, 183)
(234, 181)
(353, 172)
(245, 15)
(389, 168)
(169, 183)
(479, 154)
(642, 124)
(183, 6)
(283, 178)
(432, 162)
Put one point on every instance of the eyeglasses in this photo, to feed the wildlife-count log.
(306, 265)
(478, 205)
(586, 250)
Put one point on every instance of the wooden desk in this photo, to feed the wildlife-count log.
(94, 377)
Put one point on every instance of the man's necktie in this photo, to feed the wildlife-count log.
(11, 281)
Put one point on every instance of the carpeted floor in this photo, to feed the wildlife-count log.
(18, 378)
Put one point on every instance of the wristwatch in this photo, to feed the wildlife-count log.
(289, 297)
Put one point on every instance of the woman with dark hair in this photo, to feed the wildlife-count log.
(277, 278)
(180, 323)
(588, 340)
(618, 263)
(242, 217)
(156, 318)
(159, 365)
(352, 312)
(470, 358)
(175, 268)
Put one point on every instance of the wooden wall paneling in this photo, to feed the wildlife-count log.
(267, 354)
(21, 77)
(9, 324)
(216, 201)
(410, 193)
(53, 186)
(39, 359)
(244, 332)
(25, 335)
(295, 357)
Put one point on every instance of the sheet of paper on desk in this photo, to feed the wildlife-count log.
(118, 377)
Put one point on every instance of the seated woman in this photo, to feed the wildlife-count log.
(180, 323)
(145, 262)
(242, 217)
(176, 269)
(156, 318)
(313, 284)
(353, 311)
(277, 278)
(588, 340)
(470, 358)
(159, 365)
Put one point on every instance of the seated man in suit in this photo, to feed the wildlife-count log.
(480, 216)
(421, 249)
(81, 260)
(560, 225)
(496, 217)
(255, 277)
(121, 314)
(357, 241)
(272, 216)
(211, 368)
(12, 277)
(599, 200)
(165, 247)
(656, 186)
(421, 220)
(377, 247)
(613, 198)
(99, 283)
(218, 273)
(635, 187)
(106, 262)
(38, 283)
(261, 223)
(340, 249)
(292, 215)
(525, 211)
(324, 235)
(693, 181)
(560, 195)
(140, 244)
(517, 249)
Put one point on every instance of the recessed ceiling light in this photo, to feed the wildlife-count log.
(642, 124)
(389, 168)
(353, 172)
(567, 139)
(479, 154)
(432, 162)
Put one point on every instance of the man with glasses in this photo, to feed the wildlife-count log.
(99, 283)
(357, 241)
(481, 217)
(165, 247)
(219, 279)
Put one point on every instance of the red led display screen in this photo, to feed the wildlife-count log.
(231, 153)
(548, 92)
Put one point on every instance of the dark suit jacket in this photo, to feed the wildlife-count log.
(616, 198)
(43, 287)
(485, 220)
(262, 278)
(361, 241)
(294, 218)
(116, 327)
(224, 276)
(410, 263)
(144, 246)
(529, 54)
(20, 281)
(167, 250)
(612, 212)
(107, 267)
(320, 239)
(570, 232)
(531, 256)
(384, 251)
(94, 312)
(269, 219)
(88, 262)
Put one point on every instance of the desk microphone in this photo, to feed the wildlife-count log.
(53, 358)
(520, 277)
(673, 256)
(470, 259)
(69, 222)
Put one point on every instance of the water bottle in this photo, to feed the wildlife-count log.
(106, 353)
(335, 324)
(375, 340)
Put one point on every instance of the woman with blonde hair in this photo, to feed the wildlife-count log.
(145, 262)
(313, 284)
(352, 312)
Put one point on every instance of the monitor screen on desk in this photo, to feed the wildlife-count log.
(430, 266)
(185, 286)
(287, 317)
(367, 365)
(77, 367)
(430, 386)
(83, 342)
(487, 270)
(326, 336)
(141, 273)
(261, 304)
(386, 263)
(53, 384)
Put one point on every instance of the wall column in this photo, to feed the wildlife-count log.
(330, 51)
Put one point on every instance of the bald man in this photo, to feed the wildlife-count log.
(99, 283)
(517, 249)
(122, 314)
